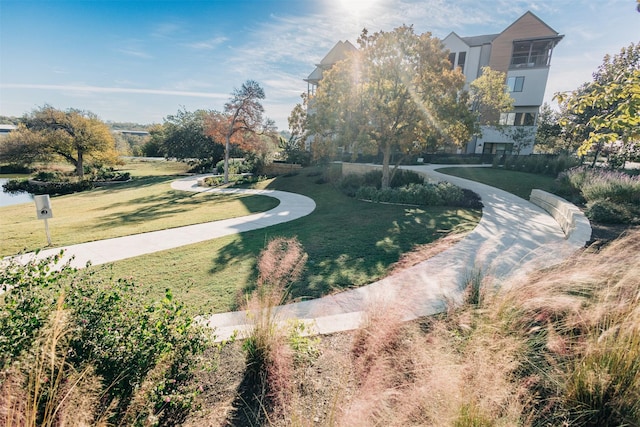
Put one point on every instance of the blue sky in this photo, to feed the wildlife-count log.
(140, 61)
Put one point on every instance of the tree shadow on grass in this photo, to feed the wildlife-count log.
(350, 243)
(251, 405)
(165, 205)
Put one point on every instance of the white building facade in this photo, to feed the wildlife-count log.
(523, 52)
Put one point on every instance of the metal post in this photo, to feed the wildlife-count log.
(46, 229)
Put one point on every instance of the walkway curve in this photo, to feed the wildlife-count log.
(292, 206)
(514, 237)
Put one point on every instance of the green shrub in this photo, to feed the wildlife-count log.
(405, 177)
(239, 166)
(106, 174)
(611, 197)
(52, 188)
(14, 168)
(51, 176)
(142, 352)
(608, 212)
(349, 184)
(441, 194)
(28, 297)
(538, 163)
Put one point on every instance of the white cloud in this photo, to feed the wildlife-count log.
(99, 89)
(207, 44)
(136, 53)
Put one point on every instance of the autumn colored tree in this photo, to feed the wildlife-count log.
(23, 147)
(489, 96)
(242, 123)
(183, 136)
(394, 94)
(72, 135)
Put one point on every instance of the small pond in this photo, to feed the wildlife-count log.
(7, 199)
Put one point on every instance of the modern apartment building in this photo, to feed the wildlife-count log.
(523, 52)
(336, 54)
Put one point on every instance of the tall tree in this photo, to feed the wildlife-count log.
(242, 123)
(183, 136)
(23, 147)
(393, 95)
(489, 96)
(549, 136)
(72, 135)
(607, 110)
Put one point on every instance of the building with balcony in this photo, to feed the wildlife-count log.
(523, 52)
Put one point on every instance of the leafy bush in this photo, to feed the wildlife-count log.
(405, 177)
(600, 184)
(52, 188)
(143, 353)
(51, 176)
(440, 194)
(349, 184)
(218, 180)
(14, 168)
(107, 174)
(537, 163)
(609, 212)
(239, 166)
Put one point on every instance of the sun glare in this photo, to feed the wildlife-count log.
(357, 8)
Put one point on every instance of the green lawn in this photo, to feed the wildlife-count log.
(144, 204)
(349, 243)
(518, 183)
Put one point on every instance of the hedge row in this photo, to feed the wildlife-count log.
(440, 194)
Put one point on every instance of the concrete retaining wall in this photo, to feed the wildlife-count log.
(357, 168)
(575, 225)
(281, 168)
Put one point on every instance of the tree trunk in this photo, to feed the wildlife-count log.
(79, 166)
(386, 157)
(595, 158)
(226, 159)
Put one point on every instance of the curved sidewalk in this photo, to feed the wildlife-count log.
(292, 206)
(513, 238)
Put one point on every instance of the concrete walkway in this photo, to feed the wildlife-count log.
(292, 206)
(513, 238)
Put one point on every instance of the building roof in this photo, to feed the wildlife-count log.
(479, 40)
(315, 76)
(488, 38)
(534, 16)
(337, 53)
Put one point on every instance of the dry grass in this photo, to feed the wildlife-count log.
(44, 390)
(267, 390)
(562, 348)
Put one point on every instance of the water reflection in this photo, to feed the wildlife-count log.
(7, 199)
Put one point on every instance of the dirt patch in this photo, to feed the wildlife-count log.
(603, 234)
(320, 387)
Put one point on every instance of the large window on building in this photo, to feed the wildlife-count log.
(462, 57)
(518, 119)
(532, 53)
(497, 148)
(452, 59)
(515, 83)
